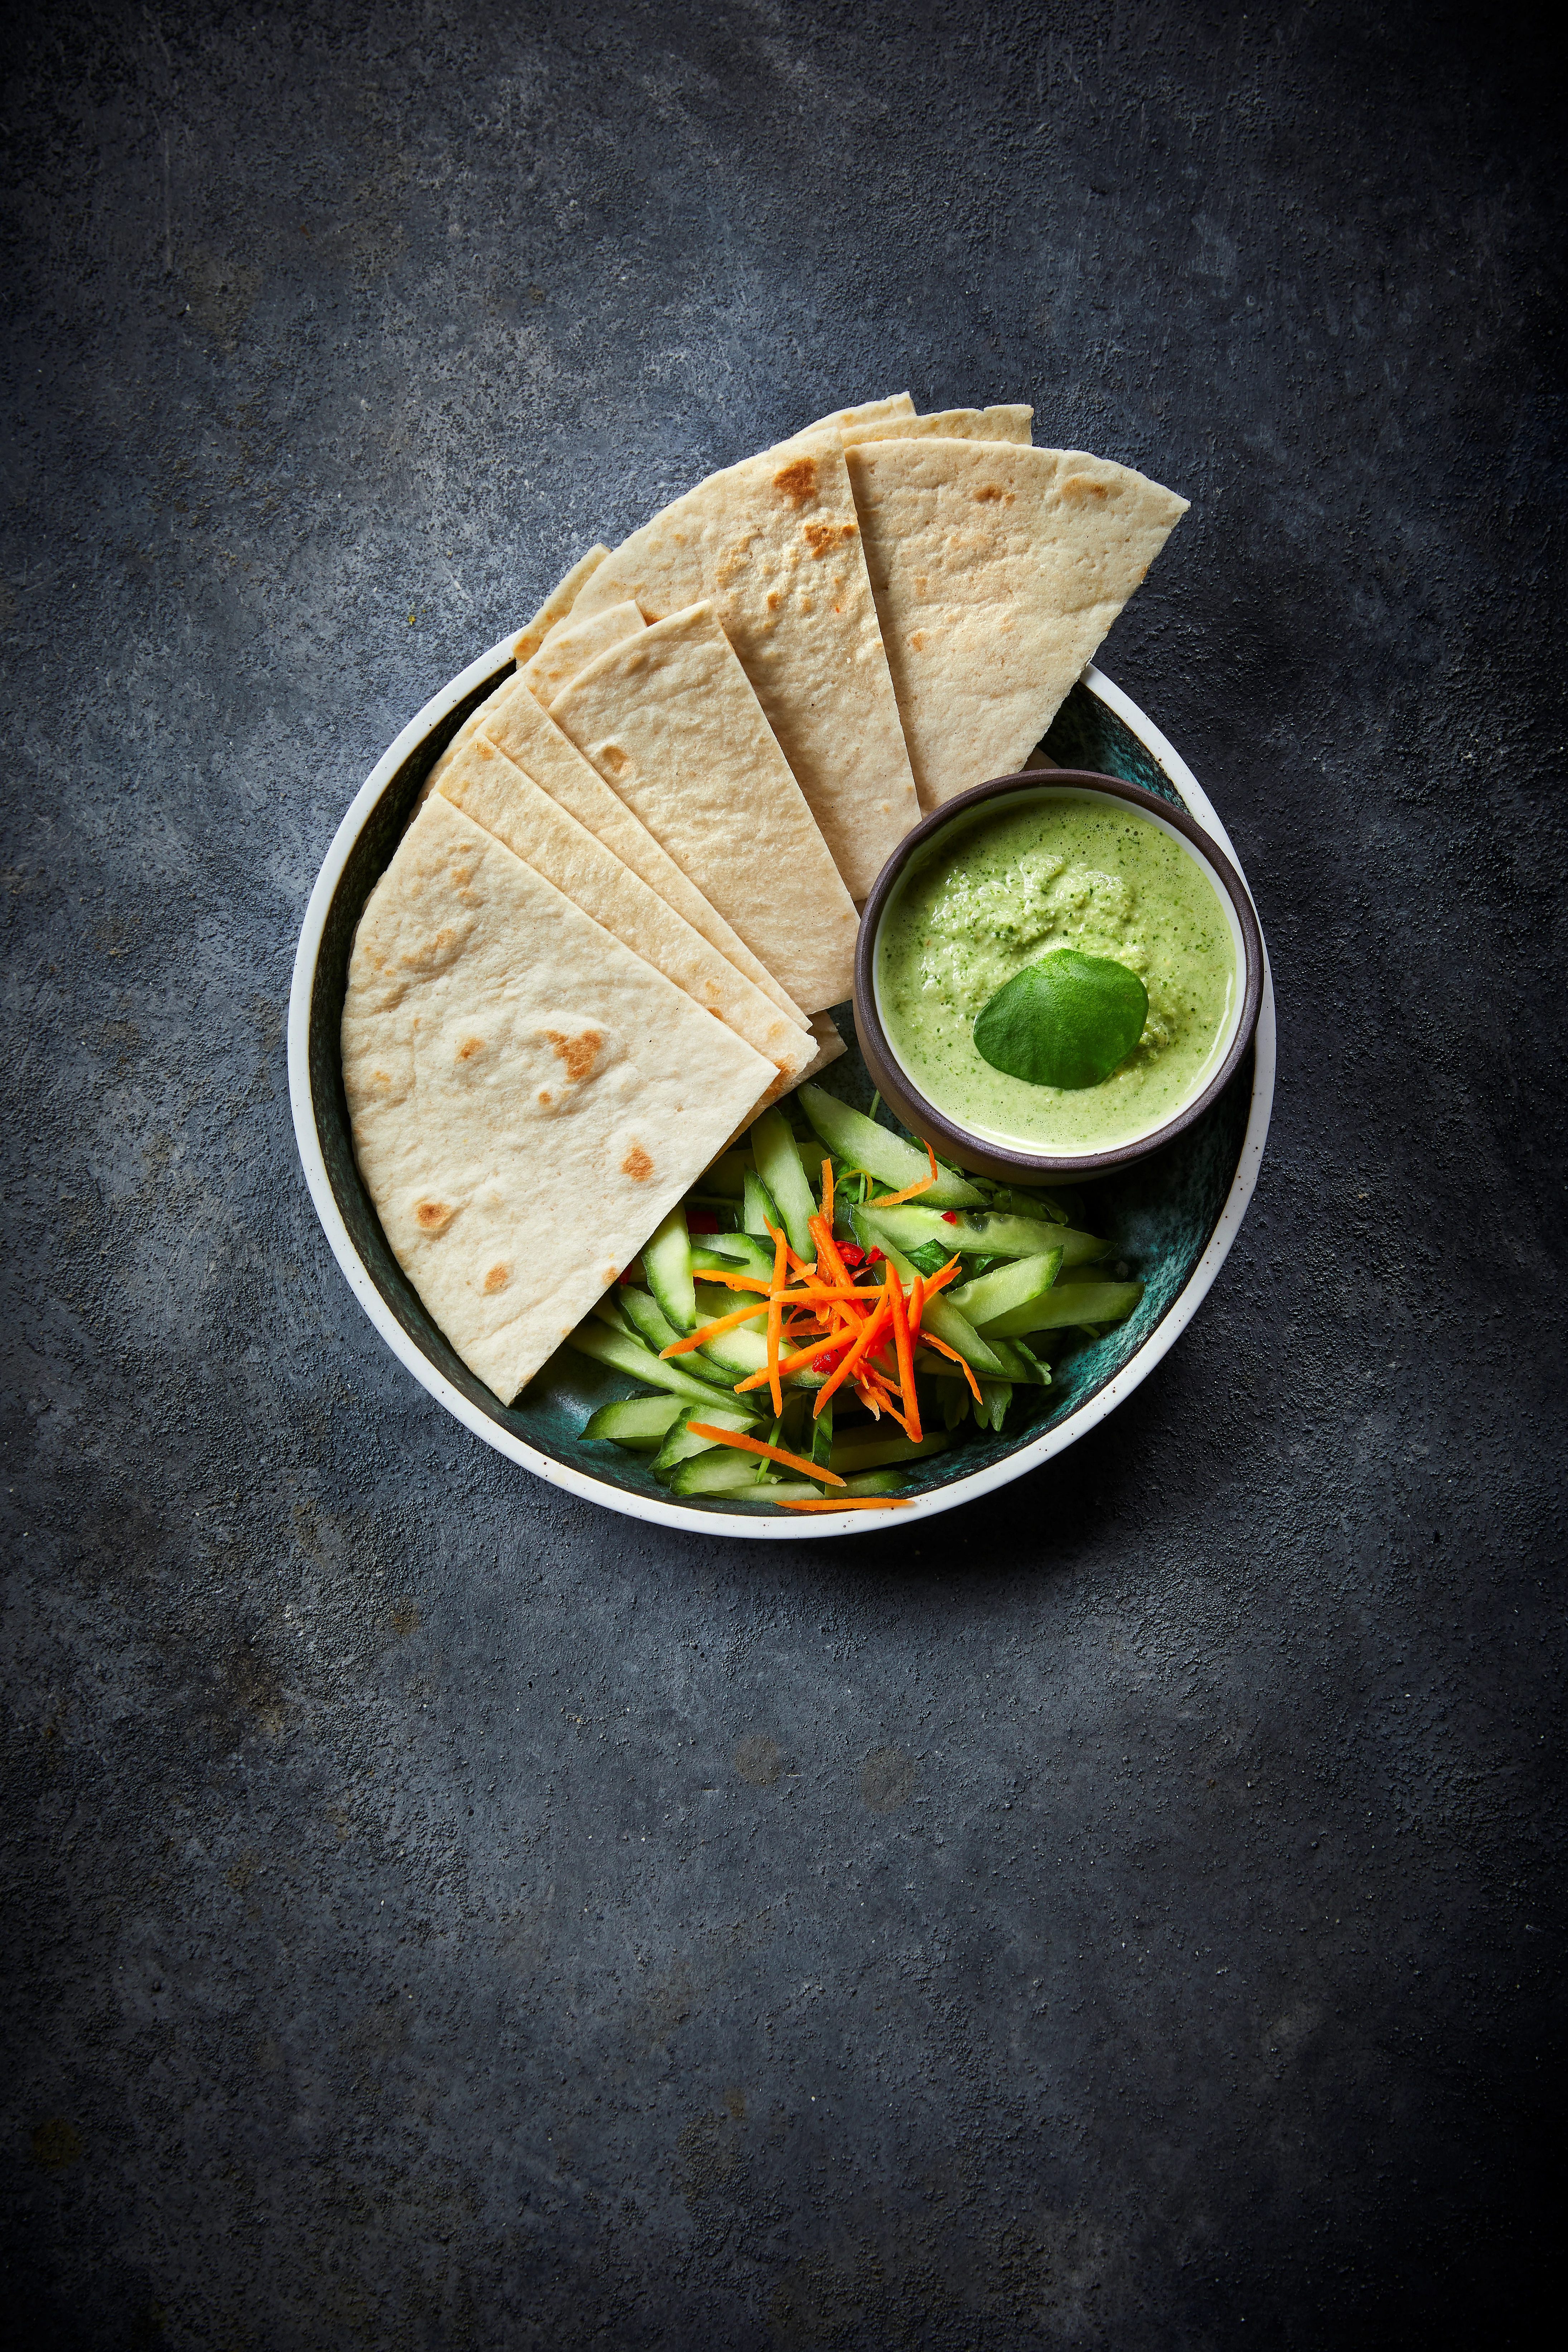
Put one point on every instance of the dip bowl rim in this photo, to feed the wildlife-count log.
(979, 1154)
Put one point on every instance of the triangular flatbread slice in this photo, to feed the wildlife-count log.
(997, 571)
(492, 790)
(528, 1096)
(528, 736)
(572, 644)
(672, 723)
(868, 412)
(556, 605)
(775, 545)
(1011, 423)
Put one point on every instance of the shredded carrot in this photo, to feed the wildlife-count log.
(711, 1331)
(827, 1251)
(911, 1191)
(776, 1316)
(917, 1309)
(846, 1503)
(774, 1452)
(827, 1194)
(942, 1276)
(797, 1362)
(734, 1281)
(944, 1350)
(906, 1359)
(870, 1330)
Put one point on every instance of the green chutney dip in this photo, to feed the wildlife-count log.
(1012, 883)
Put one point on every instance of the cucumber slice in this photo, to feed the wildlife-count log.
(988, 1236)
(852, 1454)
(822, 1438)
(654, 1330)
(740, 1251)
(798, 1490)
(949, 1323)
(721, 1470)
(607, 1309)
(643, 1424)
(759, 1209)
(1041, 1206)
(745, 1349)
(995, 1396)
(667, 1263)
(1014, 1283)
(680, 1445)
(859, 1142)
(778, 1159)
(624, 1353)
(727, 1176)
(1061, 1307)
(1019, 1363)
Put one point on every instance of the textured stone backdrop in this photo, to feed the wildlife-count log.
(440, 1913)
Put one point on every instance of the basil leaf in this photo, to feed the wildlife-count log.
(1067, 1021)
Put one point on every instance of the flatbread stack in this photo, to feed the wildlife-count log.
(626, 902)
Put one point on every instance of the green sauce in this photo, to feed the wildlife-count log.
(1005, 886)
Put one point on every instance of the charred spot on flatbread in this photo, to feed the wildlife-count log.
(637, 1165)
(470, 1049)
(797, 480)
(989, 492)
(498, 1277)
(1084, 486)
(822, 538)
(433, 1216)
(579, 1053)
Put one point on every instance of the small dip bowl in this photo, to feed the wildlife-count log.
(1019, 1163)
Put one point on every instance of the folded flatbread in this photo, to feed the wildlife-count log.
(572, 644)
(1011, 423)
(530, 738)
(528, 1098)
(868, 412)
(671, 721)
(997, 569)
(775, 545)
(490, 789)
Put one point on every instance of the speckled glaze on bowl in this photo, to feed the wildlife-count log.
(1013, 1164)
(1172, 1217)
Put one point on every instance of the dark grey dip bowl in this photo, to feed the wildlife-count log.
(982, 1155)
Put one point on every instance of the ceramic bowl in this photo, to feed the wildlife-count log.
(1172, 1218)
(980, 1154)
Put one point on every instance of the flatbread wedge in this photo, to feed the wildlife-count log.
(1011, 423)
(489, 788)
(530, 738)
(528, 1098)
(556, 605)
(671, 721)
(774, 544)
(572, 644)
(997, 569)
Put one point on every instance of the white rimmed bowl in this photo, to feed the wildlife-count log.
(1172, 1218)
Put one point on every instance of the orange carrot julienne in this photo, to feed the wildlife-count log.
(906, 1358)
(712, 1331)
(911, 1191)
(774, 1452)
(842, 1502)
(827, 1194)
(734, 1281)
(944, 1350)
(870, 1330)
(796, 1363)
(917, 1309)
(775, 1317)
(827, 1250)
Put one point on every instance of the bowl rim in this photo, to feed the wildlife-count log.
(787, 1526)
(918, 1111)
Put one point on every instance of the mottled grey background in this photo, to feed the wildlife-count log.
(441, 1914)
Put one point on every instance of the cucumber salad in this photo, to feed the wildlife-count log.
(830, 1304)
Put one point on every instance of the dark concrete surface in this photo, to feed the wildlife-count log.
(439, 1913)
